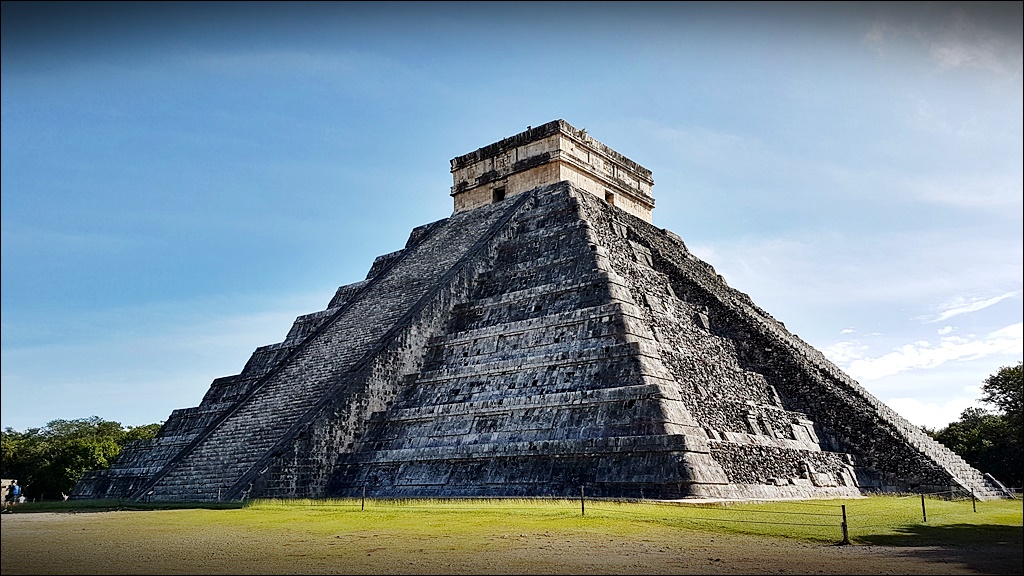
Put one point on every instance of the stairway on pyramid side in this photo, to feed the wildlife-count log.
(544, 337)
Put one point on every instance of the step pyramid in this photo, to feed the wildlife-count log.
(546, 336)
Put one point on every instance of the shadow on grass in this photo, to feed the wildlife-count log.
(986, 548)
(85, 506)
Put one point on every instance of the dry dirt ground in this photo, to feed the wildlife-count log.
(123, 543)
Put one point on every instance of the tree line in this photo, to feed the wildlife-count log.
(49, 461)
(990, 440)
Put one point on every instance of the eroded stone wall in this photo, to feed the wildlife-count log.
(545, 155)
(552, 374)
(526, 348)
(889, 453)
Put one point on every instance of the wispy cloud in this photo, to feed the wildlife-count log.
(925, 355)
(952, 40)
(964, 305)
(843, 353)
(967, 44)
(876, 38)
(836, 268)
(934, 415)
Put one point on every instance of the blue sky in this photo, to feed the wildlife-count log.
(180, 181)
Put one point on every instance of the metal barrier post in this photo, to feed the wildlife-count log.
(846, 527)
(362, 503)
(583, 504)
(974, 502)
(924, 512)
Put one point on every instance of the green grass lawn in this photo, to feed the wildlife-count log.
(888, 520)
(521, 536)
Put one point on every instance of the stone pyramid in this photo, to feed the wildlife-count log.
(544, 337)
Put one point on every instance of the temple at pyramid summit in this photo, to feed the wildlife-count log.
(545, 336)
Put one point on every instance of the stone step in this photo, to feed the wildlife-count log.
(597, 316)
(644, 442)
(287, 394)
(482, 404)
(564, 357)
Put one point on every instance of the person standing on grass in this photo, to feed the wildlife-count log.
(13, 492)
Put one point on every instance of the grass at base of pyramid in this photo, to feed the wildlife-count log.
(877, 520)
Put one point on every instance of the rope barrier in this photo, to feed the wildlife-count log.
(758, 522)
(731, 509)
(710, 512)
(696, 519)
(732, 503)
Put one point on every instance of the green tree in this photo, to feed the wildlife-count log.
(50, 460)
(991, 441)
(1005, 390)
(133, 433)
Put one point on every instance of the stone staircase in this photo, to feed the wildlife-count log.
(525, 348)
(216, 463)
(533, 387)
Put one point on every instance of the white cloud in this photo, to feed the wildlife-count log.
(875, 37)
(931, 414)
(845, 352)
(837, 268)
(975, 190)
(963, 306)
(847, 331)
(925, 355)
(705, 252)
(951, 41)
(965, 44)
(945, 330)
